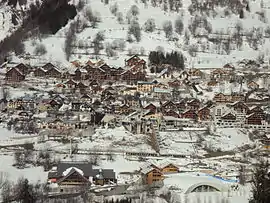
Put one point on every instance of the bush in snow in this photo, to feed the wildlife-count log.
(135, 30)
(262, 16)
(109, 50)
(192, 50)
(150, 25)
(142, 51)
(134, 10)
(160, 49)
(81, 44)
(119, 44)
(120, 17)
(95, 159)
(130, 38)
(40, 49)
(168, 29)
(133, 51)
(114, 8)
(179, 26)
(267, 32)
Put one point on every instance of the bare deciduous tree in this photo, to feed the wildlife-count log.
(99, 38)
(120, 17)
(134, 10)
(92, 17)
(135, 30)
(179, 26)
(114, 8)
(168, 29)
(192, 50)
(70, 39)
(109, 50)
(5, 93)
(80, 5)
(6, 192)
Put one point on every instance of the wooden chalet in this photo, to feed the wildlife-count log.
(256, 109)
(254, 119)
(151, 174)
(175, 83)
(80, 74)
(168, 105)
(190, 113)
(71, 84)
(14, 75)
(135, 60)
(54, 73)
(24, 69)
(152, 107)
(195, 73)
(181, 104)
(253, 85)
(194, 104)
(170, 112)
(220, 97)
(240, 107)
(77, 176)
(229, 117)
(204, 114)
(40, 72)
(168, 167)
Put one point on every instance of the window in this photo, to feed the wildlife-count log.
(218, 112)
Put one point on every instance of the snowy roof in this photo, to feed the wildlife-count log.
(107, 118)
(160, 90)
(188, 182)
(147, 167)
(68, 170)
(165, 163)
(83, 166)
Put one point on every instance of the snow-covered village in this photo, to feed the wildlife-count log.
(129, 101)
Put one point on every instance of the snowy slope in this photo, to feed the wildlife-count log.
(5, 22)
(211, 57)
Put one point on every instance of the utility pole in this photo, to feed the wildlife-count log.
(70, 153)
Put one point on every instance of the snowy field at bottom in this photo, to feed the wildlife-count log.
(178, 184)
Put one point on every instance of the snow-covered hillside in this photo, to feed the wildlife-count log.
(208, 48)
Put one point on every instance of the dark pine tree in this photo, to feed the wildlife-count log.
(261, 184)
(241, 14)
(247, 7)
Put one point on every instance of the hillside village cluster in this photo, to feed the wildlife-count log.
(96, 95)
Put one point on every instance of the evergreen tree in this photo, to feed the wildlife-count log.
(241, 14)
(247, 7)
(174, 58)
(261, 184)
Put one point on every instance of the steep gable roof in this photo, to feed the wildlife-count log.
(84, 166)
(71, 172)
